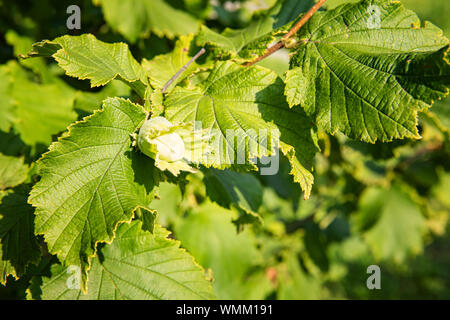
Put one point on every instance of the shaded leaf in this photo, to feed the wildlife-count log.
(18, 245)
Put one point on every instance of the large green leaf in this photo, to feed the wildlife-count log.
(91, 180)
(391, 223)
(12, 171)
(18, 245)
(246, 103)
(368, 77)
(85, 57)
(137, 18)
(137, 265)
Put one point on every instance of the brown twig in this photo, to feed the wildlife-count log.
(292, 32)
(171, 80)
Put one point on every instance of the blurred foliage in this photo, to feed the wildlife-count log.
(385, 204)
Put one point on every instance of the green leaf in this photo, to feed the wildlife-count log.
(234, 190)
(391, 223)
(137, 265)
(367, 80)
(92, 180)
(7, 103)
(42, 110)
(85, 57)
(11, 144)
(135, 19)
(161, 68)
(208, 233)
(12, 171)
(248, 103)
(18, 245)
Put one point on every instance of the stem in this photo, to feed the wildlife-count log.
(292, 32)
(304, 19)
(269, 51)
(171, 80)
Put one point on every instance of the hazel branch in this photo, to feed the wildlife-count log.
(292, 32)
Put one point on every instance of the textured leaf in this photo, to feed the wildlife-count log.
(42, 110)
(12, 171)
(161, 68)
(92, 180)
(367, 80)
(18, 245)
(234, 190)
(391, 223)
(85, 57)
(211, 237)
(137, 18)
(137, 265)
(246, 102)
